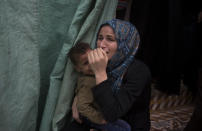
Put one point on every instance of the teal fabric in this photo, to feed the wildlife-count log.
(83, 27)
(54, 17)
(36, 78)
(19, 65)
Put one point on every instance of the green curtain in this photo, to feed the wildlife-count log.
(83, 27)
(36, 77)
(19, 65)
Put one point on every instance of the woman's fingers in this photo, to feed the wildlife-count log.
(90, 57)
(100, 55)
(104, 54)
(97, 55)
(94, 56)
(99, 52)
(98, 61)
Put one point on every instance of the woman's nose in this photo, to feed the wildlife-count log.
(103, 43)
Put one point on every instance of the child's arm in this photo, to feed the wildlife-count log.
(86, 107)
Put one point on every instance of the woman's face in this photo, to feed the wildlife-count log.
(107, 41)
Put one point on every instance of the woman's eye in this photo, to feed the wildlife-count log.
(111, 39)
(100, 38)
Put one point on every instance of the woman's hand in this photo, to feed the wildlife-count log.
(98, 62)
(75, 113)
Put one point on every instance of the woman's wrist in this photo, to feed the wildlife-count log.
(100, 77)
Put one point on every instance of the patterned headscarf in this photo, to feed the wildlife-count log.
(128, 39)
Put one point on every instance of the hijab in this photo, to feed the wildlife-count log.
(128, 39)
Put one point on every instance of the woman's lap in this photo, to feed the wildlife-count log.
(74, 126)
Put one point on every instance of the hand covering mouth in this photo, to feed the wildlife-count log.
(107, 52)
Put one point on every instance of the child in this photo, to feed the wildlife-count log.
(87, 109)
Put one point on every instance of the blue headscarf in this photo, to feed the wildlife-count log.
(128, 39)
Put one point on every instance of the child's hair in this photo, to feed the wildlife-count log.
(77, 50)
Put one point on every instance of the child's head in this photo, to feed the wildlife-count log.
(79, 57)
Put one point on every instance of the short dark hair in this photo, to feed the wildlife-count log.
(77, 50)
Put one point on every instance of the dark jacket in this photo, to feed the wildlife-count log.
(132, 100)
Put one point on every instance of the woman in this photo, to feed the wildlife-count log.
(122, 83)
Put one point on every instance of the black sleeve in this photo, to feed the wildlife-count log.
(114, 106)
